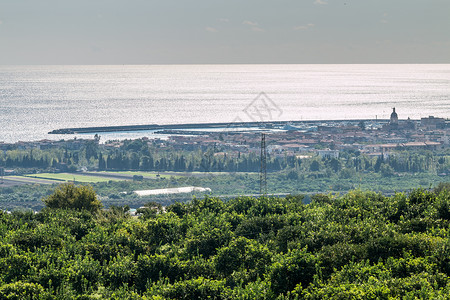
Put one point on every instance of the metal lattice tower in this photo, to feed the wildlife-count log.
(2, 173)
(263, 169)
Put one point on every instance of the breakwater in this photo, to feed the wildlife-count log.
(153, 127)
(267, 125)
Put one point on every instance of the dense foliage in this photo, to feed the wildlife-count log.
(69, 196)
(206, 166)
(141, 155)
(225, 186)
(361, 245)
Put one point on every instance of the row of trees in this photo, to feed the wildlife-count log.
(358, 246)
(26, 159)
(46, 159)
(138, 155)
(189, 162)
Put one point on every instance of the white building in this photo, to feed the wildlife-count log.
(328, 153)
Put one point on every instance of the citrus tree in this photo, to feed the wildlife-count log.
(70, 196)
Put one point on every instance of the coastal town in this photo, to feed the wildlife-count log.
(328, 138)
(322, 138)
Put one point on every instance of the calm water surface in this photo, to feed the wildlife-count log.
(37, 99)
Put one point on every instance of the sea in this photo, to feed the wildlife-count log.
(37, 99)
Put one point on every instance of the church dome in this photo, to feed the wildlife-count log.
(394, 117)
(394, 114)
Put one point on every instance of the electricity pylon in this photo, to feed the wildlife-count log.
(263, 168)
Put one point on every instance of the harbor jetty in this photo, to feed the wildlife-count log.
(243, 125)
(153, 127)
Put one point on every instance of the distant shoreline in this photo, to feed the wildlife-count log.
(262, 124)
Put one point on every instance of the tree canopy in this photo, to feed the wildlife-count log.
(70, 196)
(361, 245)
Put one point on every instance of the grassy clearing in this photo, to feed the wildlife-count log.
(147, 174)
(165, 174)
(179, 174)
(60, 177)
(131, 173)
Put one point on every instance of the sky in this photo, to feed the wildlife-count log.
(224, 31)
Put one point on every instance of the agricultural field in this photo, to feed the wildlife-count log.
(8, 181)
(147, 175)
(162, 174)
(66, 177)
